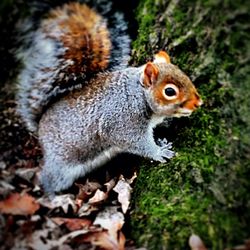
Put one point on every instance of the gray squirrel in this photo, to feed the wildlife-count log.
(85, 111)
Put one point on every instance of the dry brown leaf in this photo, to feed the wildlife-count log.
(40, 240)
(131, 180)
(98, 197)
(86, 209)
(46, 238)
(87, 189)
(36, 188)
(27, 173)
(6, 185)
(71, 236)
(103, 240)
(109, 185)
(2, 165)
(124, 193)
(64, 201)
(35, 241)
(110, 219)
(72, 224)
(19, 204)
(64, 247)
(121, 240)
(196, 243)
(5, 188)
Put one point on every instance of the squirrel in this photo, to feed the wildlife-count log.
(85, 111)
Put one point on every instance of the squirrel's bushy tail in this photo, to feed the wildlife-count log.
(68, 44)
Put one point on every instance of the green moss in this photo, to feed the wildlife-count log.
(146, 17)
(205, 189)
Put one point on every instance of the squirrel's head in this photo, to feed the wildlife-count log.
(169, 91)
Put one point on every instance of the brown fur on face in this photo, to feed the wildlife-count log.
(166, 75)
(83, 33)
(187, 96)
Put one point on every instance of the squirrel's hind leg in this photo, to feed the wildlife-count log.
(58, 175)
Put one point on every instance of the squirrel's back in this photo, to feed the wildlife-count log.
(72, 42)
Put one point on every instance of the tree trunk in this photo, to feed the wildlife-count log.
(205, 189)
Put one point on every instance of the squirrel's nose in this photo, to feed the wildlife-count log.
(193, 103)
(200, 102)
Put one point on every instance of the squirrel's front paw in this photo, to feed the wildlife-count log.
(164, 143)
(164, 151)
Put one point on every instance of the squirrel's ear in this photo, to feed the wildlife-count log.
(162, 57)
(150, 74)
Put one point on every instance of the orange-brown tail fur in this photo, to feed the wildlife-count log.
(70, 43)
(84, 35)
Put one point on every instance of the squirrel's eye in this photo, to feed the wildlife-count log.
(171, 91)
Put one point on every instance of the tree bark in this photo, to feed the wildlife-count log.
(205, 189)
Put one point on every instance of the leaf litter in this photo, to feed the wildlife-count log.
(88, 216)
(92, 216)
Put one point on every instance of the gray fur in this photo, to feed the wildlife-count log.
(35, 84)
(112, 112)
(43, 65)
(81, 132)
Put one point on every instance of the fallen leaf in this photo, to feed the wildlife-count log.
(102, 240)
(28, 238)
(19, 204)
(72, 224)
(87, 189)
(196, 243)
(5, 188)
(109, 185)
(34, 241)
(2, 165)
(121, 240)
(71, 235)
(64, 201)
(27, 173)
(64, 247)
(110, 219)
(46, 238)
(124, 193)
(86, 209)
(36, 188)
(35, 218)
(27, 227)
(98, 197)
(131, 180)
(40, 240)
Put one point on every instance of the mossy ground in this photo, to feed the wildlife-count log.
(205, 189)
